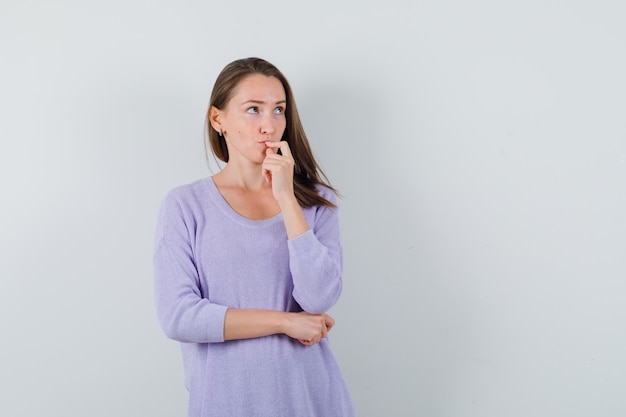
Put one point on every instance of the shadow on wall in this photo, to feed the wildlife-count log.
(375, 341)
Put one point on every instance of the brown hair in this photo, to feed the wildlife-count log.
(307, 173)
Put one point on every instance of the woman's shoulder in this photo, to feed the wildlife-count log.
(188, 194)
(326, 192)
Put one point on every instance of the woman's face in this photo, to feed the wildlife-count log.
(255, 114)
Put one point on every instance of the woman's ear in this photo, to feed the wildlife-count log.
(215, 118)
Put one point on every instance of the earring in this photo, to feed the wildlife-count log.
(221, 135)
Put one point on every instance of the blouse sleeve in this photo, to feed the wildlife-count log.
(316, 262)
(183, 312)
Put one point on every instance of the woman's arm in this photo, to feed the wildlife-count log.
(247, 323)
(188, 317)
(315, 256)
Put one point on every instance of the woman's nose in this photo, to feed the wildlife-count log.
(267, 126)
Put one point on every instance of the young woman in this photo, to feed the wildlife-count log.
(247, 262)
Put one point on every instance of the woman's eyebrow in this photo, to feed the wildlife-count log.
(262, 102)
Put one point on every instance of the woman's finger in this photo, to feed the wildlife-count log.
(282, 145)
(329, 321)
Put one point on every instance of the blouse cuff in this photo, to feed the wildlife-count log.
(217, 318)
(303, 241)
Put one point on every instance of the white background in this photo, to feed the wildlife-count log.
(480, 147)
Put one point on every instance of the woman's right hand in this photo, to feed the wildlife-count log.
(307, 328)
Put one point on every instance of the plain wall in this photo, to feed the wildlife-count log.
(480, 147)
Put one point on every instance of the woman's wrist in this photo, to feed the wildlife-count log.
(293, 216)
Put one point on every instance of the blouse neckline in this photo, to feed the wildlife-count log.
(223, 205)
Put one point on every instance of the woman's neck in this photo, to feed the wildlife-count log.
(246, 177)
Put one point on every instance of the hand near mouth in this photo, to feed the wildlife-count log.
(278, 169)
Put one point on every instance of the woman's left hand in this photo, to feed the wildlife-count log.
(278, 169)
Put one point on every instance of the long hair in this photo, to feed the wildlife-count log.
(307, 173)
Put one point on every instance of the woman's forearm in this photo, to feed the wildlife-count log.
(251, 323)
(295, 222)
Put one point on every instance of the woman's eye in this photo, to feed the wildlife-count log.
(279, 110)
(253, 110)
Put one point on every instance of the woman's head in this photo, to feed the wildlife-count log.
(307, 172)
(225, 87)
